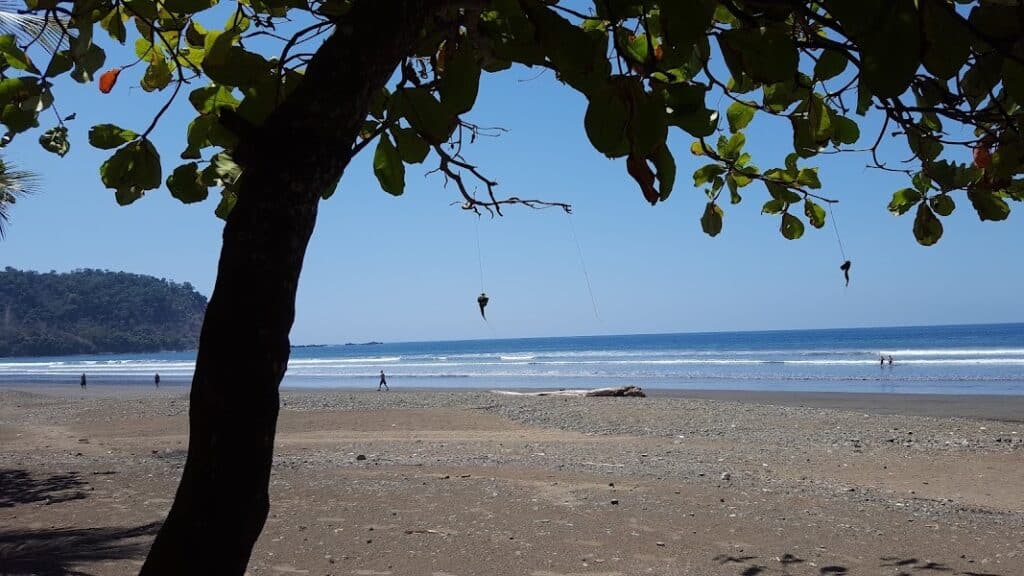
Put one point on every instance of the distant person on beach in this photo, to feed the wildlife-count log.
(890, 359)
(881, 360)
(156, 379)
(383, 383)
(82, 381)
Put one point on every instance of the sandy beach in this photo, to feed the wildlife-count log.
(442, 483)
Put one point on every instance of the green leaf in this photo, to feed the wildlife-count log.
(819, 120)
(147, 9)
(688, 111)
(815, 213)
(947, 43)
(773, 206)
(780, 96)
(734, 193)
(411, 147)
(665, 164)
(107, 136)
(205, 131)
(195, 35)
(633, 46)
(922, 183)
(157, 76)
(225, 169)
(18, 119)
(707, 173)
(942, 204)
(685, 23)
(578, 55)
(60, 63)
(830, 64)
(781, 192)
(388, 167)
(739, 115)
(982, 77)
(460, 81)
(133, 169)
(951, 176)
(188, 6)
(988, 205)
(14, 56)
(903, 200)
(211, 98)
(87, 64)
(605, 122)
(431, 120)
(711, 221)
(647, 128)
(1013, 74)
(927, 228)
(864, 97)
(792, 228)
(766, 55)
(844, 130)
(890, 52)
(113, 23)
(228, 199)
(730, 149)
(184, 184)
(379, 103)
(56, 140)
(808, 177)
(231, 65)
(923, 144)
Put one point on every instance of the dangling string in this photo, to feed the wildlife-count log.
(583, 265)
(482, 300)
(479, 256)
(835, 227)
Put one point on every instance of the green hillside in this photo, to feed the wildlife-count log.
(95, 311)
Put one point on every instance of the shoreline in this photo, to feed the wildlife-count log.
(995, 407)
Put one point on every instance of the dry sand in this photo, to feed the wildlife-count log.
(473, 483)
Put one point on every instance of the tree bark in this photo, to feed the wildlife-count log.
(303, 148)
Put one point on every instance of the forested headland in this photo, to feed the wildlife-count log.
(95, 311)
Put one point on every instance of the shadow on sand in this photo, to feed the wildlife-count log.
(18, 487)
(53, 552)
(781, 566)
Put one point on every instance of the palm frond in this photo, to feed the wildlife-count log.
(14, 183)
(44, 29)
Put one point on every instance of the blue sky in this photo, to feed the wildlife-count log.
(384, 268)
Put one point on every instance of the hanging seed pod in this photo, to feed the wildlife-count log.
(482, 301)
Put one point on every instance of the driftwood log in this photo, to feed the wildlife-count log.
(631, 391)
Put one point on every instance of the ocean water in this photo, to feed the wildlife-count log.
(974, 359)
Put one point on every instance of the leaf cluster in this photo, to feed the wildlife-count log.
(945, 76)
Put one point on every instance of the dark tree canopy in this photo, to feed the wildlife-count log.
(948, 77)
(93, 311)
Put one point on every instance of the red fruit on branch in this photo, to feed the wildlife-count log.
(108, 79)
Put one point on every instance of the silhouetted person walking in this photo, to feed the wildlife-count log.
(82, 381)
(890, 360)
(156, 380)
(383, 382)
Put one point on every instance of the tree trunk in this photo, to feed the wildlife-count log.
(303, 148)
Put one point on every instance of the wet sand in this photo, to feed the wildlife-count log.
(472, 483)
